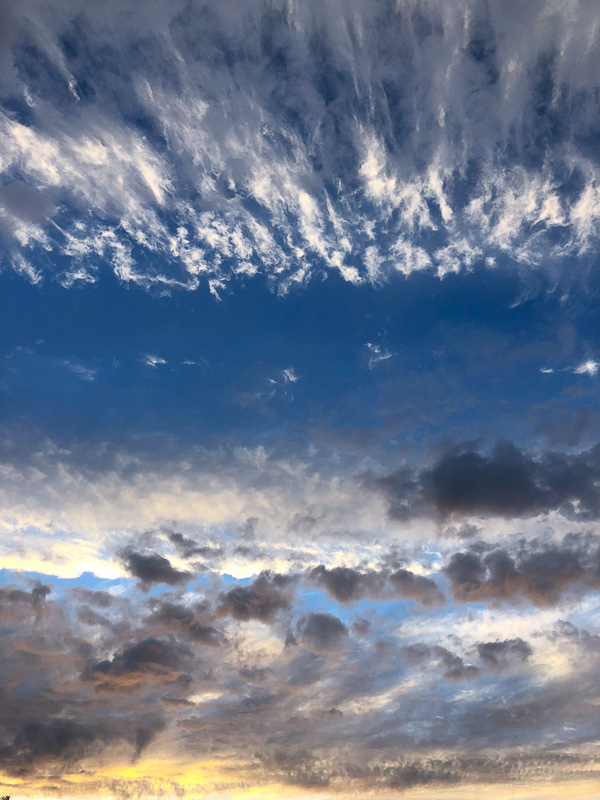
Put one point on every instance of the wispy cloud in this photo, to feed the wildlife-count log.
(289, 375)
(201, 362)
(81, 370)
(153, 361)
(377, 353)
(587, 367)
(291, 182)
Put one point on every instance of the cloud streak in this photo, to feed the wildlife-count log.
(362, 139)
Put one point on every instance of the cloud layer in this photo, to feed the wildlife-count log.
(195, 142)
(93, 678)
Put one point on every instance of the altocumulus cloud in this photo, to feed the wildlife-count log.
(231, 667)
(362, 138)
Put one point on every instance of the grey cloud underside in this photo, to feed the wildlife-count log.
(266, 596)
(506, 482)
(321, 630)
(349, 585)
(68, 696)
(499, 655)
(152, 568)
(196, 141)
(542, 577)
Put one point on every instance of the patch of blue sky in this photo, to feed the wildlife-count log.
(60, 586)
(464, 361)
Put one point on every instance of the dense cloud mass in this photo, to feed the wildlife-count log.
(322, 630)
(541, 577)
(499, 655)
(152, 568)
(261, 600)
(151, 680)
(359, 138)
(348, 585)
(506, 482)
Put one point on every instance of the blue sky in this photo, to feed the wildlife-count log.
(465, 355)
(300, 370)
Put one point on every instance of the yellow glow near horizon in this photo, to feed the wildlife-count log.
(98, 786)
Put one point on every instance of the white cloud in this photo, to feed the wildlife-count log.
(377, 353)
(435, 144)
(81, 370)
(589, 367)
(153, 361)
(201, 362)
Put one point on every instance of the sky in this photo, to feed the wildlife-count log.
(299, 399)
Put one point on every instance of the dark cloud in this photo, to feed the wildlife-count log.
(180, 702)
(304, 670)
(88, 616)
(149, 659)
(501, 655)
(192, 623)
(52, 741)
(541, 577)
(417, 587)
(588, 643)
(343, 583)
(65, 699)
(248, 529)
(261, 600)
(506, 482)
(93, 597)
(527, 716)
(469, 483)
(322, 630)
(473, 769)
(17, 603)
(408, 775)
(454, 668)
(189, 547)
(34, 596)
(254, 675)
(151, 568)
(361, 626)
(462, 672)
(347, 585)
(465, 569)
(60, 743)
(464, 531)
